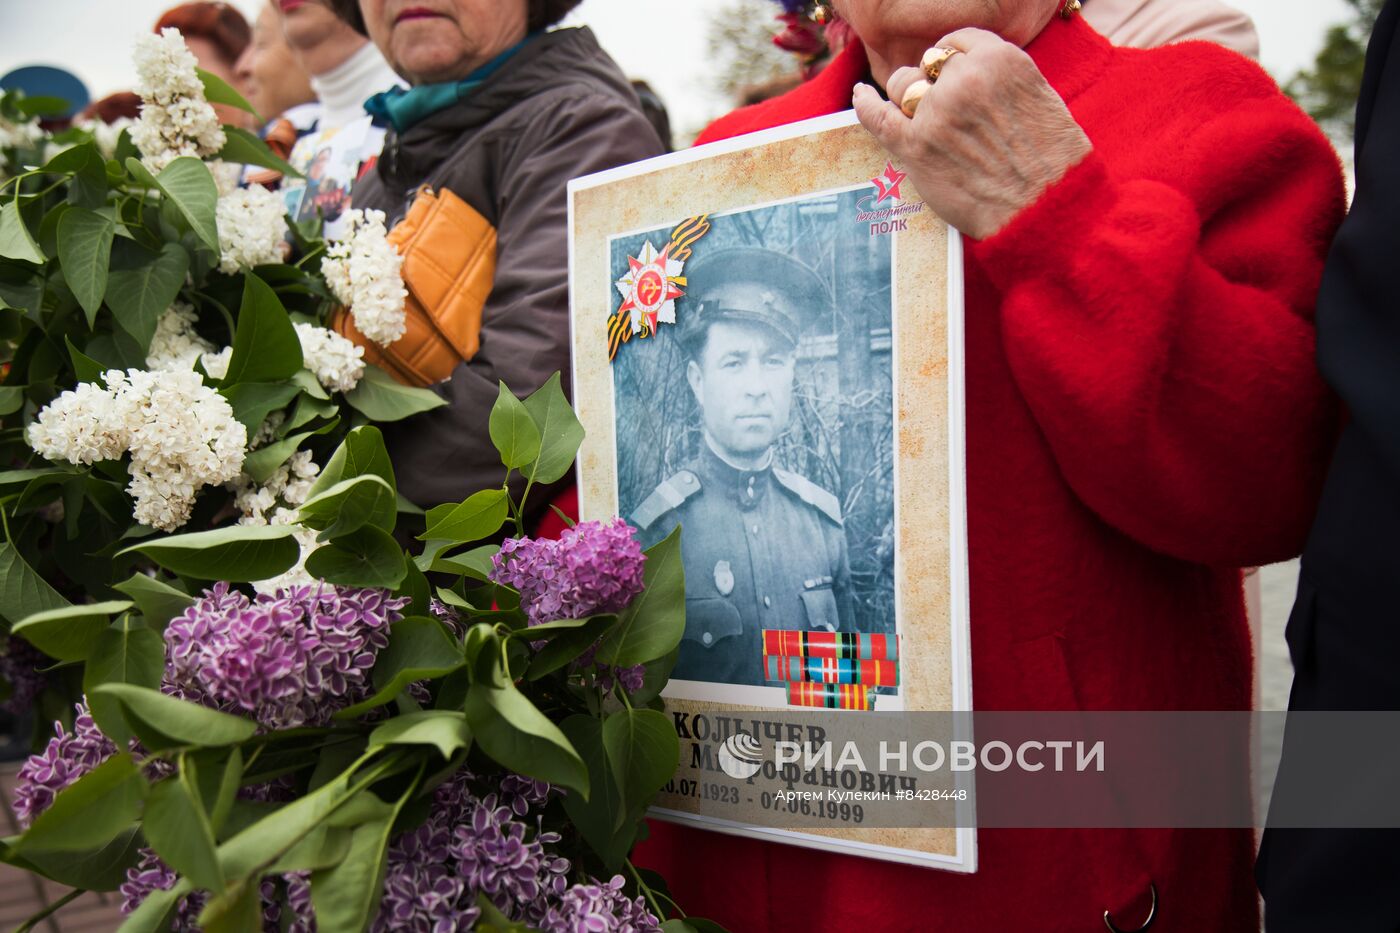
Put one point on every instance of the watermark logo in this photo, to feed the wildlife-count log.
(740, 756)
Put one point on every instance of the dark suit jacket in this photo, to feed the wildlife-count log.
(1344, 634)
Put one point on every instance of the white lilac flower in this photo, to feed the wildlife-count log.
(176, 345)
(363, 272)
(181, 436)
(176, 119)
(287, 488)
(106, 135)
(80, 426)
(20, 135)
(335, 361)
(227, 176)
(216, 364)
(251, 228)
(275, 503)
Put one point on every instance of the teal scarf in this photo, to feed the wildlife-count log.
(404, 108)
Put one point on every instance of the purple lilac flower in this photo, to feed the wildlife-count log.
(600, 908)
(288, 659)
(298, 900)
(594, 567)
(151, 875)
(68, 756)
(20, 667)
(469, 845)
(447, 615)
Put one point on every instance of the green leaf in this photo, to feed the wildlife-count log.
(653, 624)
(346, 896)
(350, 505)
(265, 344)
(22, 591)
(190, 187)
(219, 91)
(159, 602)
(480, 516)
(125, 653)
(601, 818)
(238, 909)
(99, 868)
(11, 399)
(239, 554)
(142, 284)
(271, 837)
(475, 563)
(243, 148)
(70, 633)
(493, 921)
(559, 429)
(85, 367)
(364, 557)
(252, 402)
(177, 827)
(513, 431)
(15, 240)
(567, 646)
(263, 462)
(88, 185)
(692, 925)
(219, 798)
(509, 728)
(154, 913)
(643, 752)
(658, 674)
(10, 478)
(419, 649)
(175, 722)
(362, 453)
(380, 398)
(91, 811)
(415, 587)
(445, 730)
(85, 251)
(42, 105)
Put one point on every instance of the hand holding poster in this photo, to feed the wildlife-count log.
(767, 354)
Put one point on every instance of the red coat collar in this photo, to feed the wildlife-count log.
(1069, 53)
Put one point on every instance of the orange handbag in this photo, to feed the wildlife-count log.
(449, 266)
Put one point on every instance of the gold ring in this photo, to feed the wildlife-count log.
(935, 59)
(910, 102)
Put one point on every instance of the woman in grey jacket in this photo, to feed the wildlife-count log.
(501, 114)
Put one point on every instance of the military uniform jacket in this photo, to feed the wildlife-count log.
(762, 549)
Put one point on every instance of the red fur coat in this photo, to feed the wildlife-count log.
(1144, 416)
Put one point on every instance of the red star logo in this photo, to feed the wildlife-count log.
(888, 183)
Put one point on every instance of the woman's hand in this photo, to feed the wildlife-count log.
(988, 138)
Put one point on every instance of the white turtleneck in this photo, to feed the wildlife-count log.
(344, 89)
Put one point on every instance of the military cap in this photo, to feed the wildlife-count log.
(754, 285)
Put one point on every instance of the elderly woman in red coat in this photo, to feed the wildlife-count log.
(1145, 233)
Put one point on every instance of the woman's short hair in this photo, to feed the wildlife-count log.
(218, 23)
(543, 13)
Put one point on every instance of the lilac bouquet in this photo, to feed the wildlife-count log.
(324, 732)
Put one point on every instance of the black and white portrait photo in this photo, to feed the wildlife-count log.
(754, 408)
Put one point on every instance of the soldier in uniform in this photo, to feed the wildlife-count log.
(763, 548)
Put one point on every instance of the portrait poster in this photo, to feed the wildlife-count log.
(768, 354)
